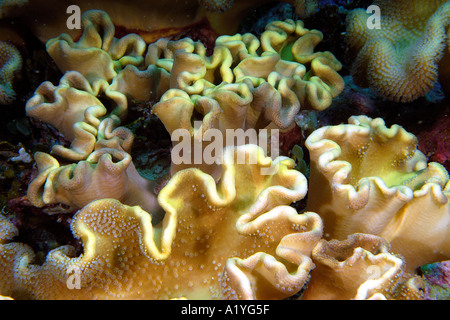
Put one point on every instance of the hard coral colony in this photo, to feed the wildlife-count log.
(101, 213)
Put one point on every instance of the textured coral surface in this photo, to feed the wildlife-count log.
(400, 59)
(353, 203)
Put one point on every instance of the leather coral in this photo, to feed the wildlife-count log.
(360, 267)
(247, 83)
(367, 178)
(98, 55)
(10, 65)
(97, 164)
(235, 239)
(401, 60)
(281, 69)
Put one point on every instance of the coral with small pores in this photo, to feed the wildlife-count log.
(368, 178)
(360, 267)
(245, 83)
(10, 65)
(401, 59)
(240, 227)
(241, 238)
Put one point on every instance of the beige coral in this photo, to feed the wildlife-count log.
(242, 69)
(246, 84)
(278, 58)
(74, 110)
(10, 65)
(97, 165)
(106, 173)
(367, 178)
(225, 115)
(401, 59)
(97, 55)
(216, 241)
(360, 267)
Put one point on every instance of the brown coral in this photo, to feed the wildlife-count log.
(10, 65)
(216, 241)
(401, 59)
(360, 267)
(367, 178)
(97, 55)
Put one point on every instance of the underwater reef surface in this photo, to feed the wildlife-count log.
(355, 204)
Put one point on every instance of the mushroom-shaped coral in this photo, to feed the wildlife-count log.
(367, 178)
(104, 168)
(74, 110)
(274, 67)
(235, 239)
(360, 267)
(246, 84)
(10, 64)
(401, 59)
(10, 257)
(203, 124)
(98, 55)
(106, 173)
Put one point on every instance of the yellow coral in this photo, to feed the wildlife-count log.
(73, 109)
(367, 178)
(216, 241)
(273, 68)
(278, 59)
(106, 173)
(360, 267)
(10, 65)
(98, 55)
(401, 59)
(246, 83)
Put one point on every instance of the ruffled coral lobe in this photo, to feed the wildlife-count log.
(206, 248)
(371, 179)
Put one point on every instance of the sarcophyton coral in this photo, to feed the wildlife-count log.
(400, 60)
(278, 59)
(97, 164)
(73, 109)
(368, 178)
(360, 267)
(10, 65)
(98, 55)
(273, 67)
(246, 83)
(235, 239)
(233, 235)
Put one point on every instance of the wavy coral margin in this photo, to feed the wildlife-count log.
(370, 179)
(185, 255)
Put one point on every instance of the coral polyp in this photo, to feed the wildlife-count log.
(194, 159)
